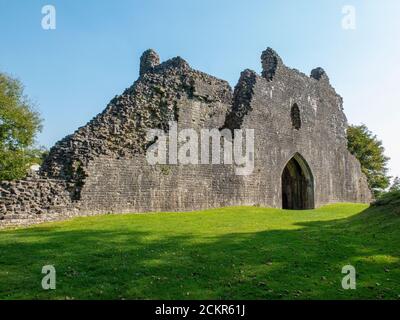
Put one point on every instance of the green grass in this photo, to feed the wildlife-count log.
(229, 253)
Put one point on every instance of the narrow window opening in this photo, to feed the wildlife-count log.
(295, 115)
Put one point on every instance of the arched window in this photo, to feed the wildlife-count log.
(295, 115)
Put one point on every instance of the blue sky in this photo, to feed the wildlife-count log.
(72, 72)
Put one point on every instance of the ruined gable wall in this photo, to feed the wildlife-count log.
(321, 139)
(132, 185)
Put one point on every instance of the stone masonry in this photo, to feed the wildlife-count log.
(300, 148)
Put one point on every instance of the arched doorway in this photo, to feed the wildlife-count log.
(297, 184)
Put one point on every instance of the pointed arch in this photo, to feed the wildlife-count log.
(297, 184)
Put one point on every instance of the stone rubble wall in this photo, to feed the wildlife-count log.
(23, 201)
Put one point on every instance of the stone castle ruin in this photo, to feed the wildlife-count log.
(301, 159)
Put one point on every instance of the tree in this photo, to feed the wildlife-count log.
(19, 124)
(395, 185)
(366, 147)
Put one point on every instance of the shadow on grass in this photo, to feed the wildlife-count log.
(276, 264)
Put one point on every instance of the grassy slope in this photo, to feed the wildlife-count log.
(230, 253)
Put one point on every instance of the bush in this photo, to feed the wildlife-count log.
(366, 147)
(389, 199)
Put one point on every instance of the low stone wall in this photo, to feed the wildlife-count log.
(33, 198)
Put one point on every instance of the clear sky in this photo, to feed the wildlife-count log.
(93, 54)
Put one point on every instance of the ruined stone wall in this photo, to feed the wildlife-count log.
(321, 138)
(132, 185)
(34, 199)
(102, 167)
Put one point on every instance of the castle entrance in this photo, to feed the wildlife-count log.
(297, 185)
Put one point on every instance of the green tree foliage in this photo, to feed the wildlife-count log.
(365, 146)
(395, 185)
(19, 124)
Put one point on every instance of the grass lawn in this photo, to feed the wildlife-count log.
(229, 253)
